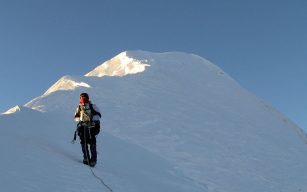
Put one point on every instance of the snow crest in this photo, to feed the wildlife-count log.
(66, 83)
(12, 110)
(120, 65)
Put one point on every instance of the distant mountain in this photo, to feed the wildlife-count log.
(171, 122)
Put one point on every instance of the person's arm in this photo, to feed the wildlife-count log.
(77, 114)
(97, 116)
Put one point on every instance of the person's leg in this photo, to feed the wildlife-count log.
(86, 154)
(84, 144)
(93, 152)
(93, 132)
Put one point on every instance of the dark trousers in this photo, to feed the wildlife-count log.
(88, 137)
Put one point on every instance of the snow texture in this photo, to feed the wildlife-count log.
(171, 122)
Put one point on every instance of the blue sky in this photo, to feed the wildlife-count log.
(261, 44)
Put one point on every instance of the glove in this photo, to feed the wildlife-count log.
(77, 119)
(79, 124)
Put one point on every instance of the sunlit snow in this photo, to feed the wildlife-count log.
(120, 65)
(172, 122)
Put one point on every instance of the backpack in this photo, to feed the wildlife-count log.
(87, 116)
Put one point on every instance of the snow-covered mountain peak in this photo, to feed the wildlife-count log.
(20, 109)
(119, 65)
(183, 122)
(15, 109)
(66, 83)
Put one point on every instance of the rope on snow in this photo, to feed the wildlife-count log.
(101, 180)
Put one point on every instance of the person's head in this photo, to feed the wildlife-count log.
(84, 98)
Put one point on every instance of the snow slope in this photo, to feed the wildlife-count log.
(171, 122)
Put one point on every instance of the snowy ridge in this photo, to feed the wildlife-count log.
(120, 65)
(18, 109)
(66, 83)
(13, 110)
(181, 125)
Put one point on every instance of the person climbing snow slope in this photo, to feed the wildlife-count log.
(88, 116)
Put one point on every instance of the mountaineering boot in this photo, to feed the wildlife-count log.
(86, 155)
(92, 163)
(93, 159)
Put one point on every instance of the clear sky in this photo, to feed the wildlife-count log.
(261, 44)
